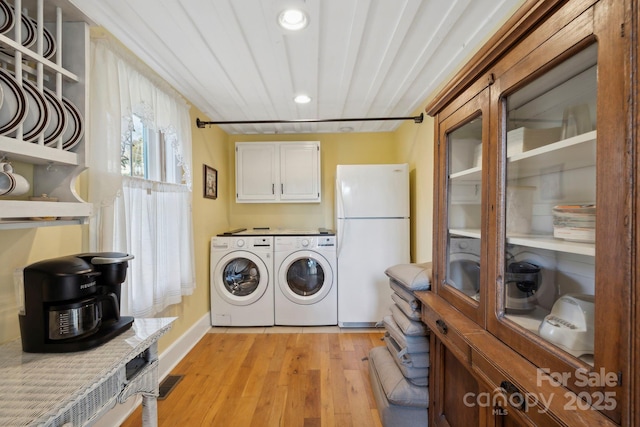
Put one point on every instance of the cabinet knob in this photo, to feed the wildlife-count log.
(442, 327)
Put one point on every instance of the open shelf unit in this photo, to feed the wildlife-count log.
(50, 170)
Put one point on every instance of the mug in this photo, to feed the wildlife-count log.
(22, 185)
(7, 183)
(12, 183)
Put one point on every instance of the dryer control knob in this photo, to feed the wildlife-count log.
(305, 243)
(240, 243)
(463, 245)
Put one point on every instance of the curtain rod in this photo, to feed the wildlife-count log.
(202, 124)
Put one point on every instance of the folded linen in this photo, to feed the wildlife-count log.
(411, 313)
(396, 387)
(410, 360)
(417, 376)
(406, 295)
(415, 277)
(409, 327)
(392, 415)
(412, 344)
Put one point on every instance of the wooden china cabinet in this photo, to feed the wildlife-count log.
(533, 303)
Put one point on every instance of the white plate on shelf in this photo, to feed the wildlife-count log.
(48, 41)
(38, 115)
(14, 108)
(7, 20)
(49, 44)
(75, 125)
(29, 30)
(30, 37)
(58, 122)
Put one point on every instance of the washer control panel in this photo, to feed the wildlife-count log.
(290, 243)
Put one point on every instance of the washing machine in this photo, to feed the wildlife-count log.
(464, 265)
(242, 281)
(306, 291)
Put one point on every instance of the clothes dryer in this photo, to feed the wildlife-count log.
(242, 281)
(306, 290)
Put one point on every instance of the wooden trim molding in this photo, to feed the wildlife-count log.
(521, 23)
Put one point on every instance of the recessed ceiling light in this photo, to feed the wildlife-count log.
(346, 129)
(293, 19)
(302, 99)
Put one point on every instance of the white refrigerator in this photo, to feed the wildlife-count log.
(372, 232)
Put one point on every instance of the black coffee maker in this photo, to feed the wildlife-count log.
(72, 303)
(522, 281)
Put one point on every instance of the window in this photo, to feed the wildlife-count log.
(140, 179)
(147, 154)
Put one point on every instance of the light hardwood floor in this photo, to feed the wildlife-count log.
(273, 379)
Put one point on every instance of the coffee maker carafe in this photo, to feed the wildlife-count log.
(72, 303)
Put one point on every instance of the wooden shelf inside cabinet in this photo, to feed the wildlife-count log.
(472, 174)
(551, 243)
(465, 232)
(571, 153)
(36, 154)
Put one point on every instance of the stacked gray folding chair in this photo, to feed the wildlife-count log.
(399, 371)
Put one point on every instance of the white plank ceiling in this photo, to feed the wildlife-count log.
(355, 59)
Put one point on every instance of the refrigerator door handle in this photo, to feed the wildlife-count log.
(341, 231)
(341, 215)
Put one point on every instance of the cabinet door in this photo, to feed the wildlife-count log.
(256, 172)
(453, 390)
(562, 249)
(300, 171)
(459, 196)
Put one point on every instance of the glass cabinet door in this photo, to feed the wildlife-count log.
(550, 205)
(560, 221)
(462, 151)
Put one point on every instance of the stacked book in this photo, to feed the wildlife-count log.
(399, 370)
(576, 223)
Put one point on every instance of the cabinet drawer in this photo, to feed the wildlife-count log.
(450, 325)
(548, 402)
(447, 333)
(526, 405)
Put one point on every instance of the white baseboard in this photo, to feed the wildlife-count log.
(172, 355)
(169, 358)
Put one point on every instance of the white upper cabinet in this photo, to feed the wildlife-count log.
(278, 172)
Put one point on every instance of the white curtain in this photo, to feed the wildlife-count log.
(151, 221)
(156, 217)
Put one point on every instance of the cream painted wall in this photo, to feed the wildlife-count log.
(415, 147)
(22, 247)
(335, 149)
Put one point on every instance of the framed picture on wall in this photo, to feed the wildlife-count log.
(210, 182)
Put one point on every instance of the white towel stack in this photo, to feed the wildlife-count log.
(400, 371)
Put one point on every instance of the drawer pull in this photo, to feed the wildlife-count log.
(442, 327)
(514, 395)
